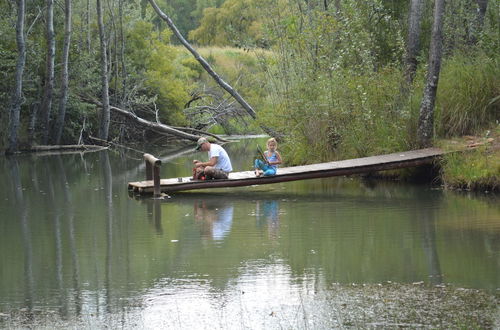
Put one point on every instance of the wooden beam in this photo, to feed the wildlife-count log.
(153, 172)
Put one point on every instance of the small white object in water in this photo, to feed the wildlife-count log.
(174, 241)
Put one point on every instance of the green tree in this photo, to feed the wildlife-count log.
(236, 23)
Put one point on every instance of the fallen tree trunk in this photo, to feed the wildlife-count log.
(45, 150)
(160, 128)
(194, 130)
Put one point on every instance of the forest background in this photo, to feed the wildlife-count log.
(333, 79)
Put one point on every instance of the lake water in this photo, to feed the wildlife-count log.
(76, 248)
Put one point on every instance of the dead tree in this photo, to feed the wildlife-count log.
(216, 109)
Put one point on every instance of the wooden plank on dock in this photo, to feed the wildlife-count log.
(344, 167)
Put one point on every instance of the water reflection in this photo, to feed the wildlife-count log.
(426, 218)
(72, 242)
(267, 213)
(21, 205)
(70, 213)
(214, 218)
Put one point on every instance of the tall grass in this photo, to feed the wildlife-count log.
(468, 95)
(341, 115)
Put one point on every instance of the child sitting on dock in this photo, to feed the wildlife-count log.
(272, 159)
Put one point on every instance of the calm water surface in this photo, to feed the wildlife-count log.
(74, 244)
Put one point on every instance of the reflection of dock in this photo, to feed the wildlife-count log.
(344, 167)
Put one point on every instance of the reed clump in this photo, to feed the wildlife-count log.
(469, 94)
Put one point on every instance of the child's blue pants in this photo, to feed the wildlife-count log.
(268, 169)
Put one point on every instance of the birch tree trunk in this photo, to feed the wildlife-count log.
(426, 119)
(64, 75)
(16, 99)
(49, 82)
(204, 63)
(413, 48)
(104, 114)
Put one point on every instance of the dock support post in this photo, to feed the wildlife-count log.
(153, 165)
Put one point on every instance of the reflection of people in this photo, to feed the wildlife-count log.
(268, 166)
(218, 165)
(267, 212)
(215, 219)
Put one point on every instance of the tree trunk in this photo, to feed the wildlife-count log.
(482, 5)
(89, 43)
(64, 75)
(49, 78)
(478, 24)
(204, 63)
(104, 115)
(426, 119)
(413, 48)
(16, 99)
(122, 56)
(32, 121)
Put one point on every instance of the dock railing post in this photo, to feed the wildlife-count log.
(153, 165)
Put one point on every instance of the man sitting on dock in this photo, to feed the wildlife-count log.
(218, 165)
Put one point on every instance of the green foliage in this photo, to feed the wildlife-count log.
(236, 23)
(468, 95)
(333, 94)
(167, 74)
(343, 116)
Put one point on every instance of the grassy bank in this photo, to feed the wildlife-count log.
(478, 167)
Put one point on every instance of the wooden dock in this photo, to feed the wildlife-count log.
(338, 168)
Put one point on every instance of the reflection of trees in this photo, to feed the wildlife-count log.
(425, 217)
(154, 214)
(63, 309)
(22, 206)
(68, 202)
(108, 197)
(427, 220)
